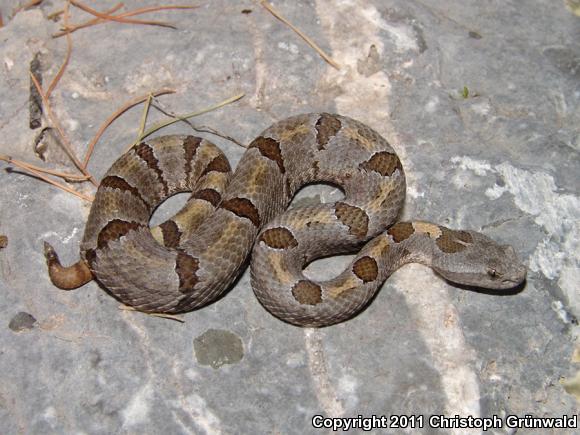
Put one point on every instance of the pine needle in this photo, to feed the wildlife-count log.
(38, 174)
(118, 19)
(161, 315)
(27, 6)
(62, 68)
(132, 13)
(309, 41)
(70, 28)
(26, 165)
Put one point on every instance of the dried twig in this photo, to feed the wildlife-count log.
(34, 100)
(64, 139)
(114, 116)
(309, 41)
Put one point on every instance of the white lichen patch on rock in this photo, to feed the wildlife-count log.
(137, 411)
(402, 35)
(557, 256)
(197, 413)
(347, 389)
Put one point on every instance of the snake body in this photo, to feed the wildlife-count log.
(192, 258)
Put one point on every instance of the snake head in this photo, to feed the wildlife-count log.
(481, 263)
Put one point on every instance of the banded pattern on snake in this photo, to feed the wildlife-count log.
(191, 259)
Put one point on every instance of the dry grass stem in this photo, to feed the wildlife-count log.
(200, 128)
(188, 115)
(114, 116)
(143, 122)
(309, 41)
(206, 129)
(168, 317)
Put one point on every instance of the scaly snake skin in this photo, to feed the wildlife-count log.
(192, 258)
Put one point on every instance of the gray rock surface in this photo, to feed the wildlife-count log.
(480, 99)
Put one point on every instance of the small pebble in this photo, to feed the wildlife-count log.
(22, 321)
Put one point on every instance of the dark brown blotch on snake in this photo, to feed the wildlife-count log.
(218, 164)
(244, 208)
(190, 146)
(279, 238)
(209, 195)
(270, 149)
(146, 153)
(326, 127)
(383, 162)
(115, 182)
(366, 269)
(171, 234)
(401, 231)
(307, 293)
(453, 241)
(353, 217)
(114, 230)
(186, 267)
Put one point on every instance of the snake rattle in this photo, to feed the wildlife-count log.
(191, 259)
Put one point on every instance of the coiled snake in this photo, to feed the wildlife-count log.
(192, 258)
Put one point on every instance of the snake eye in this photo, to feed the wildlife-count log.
(493, 273)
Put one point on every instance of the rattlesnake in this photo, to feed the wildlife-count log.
(191, 259)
